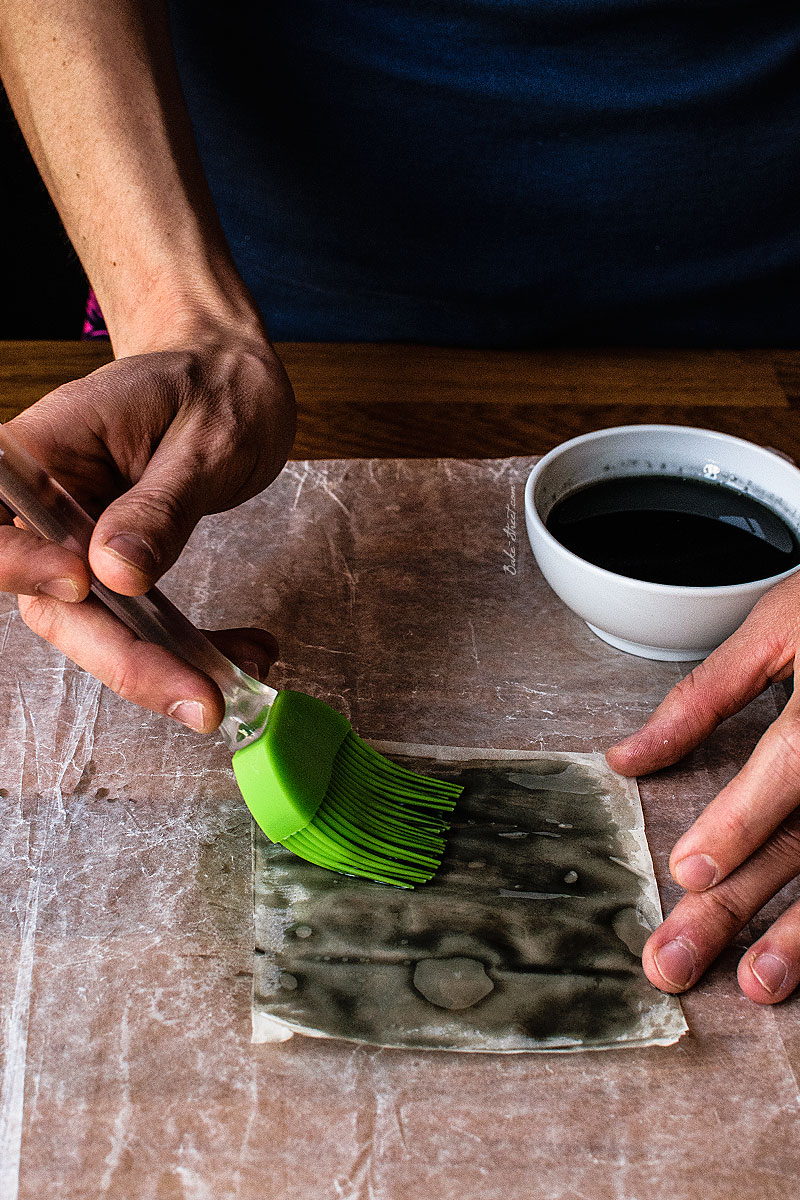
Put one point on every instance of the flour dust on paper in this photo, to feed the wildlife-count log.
(528, 939)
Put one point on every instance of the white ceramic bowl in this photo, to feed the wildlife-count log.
(654, 620)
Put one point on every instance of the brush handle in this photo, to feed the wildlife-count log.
(45, 507)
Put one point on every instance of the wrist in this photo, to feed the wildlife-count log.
(172, 308)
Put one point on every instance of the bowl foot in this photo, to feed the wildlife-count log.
(663, 653)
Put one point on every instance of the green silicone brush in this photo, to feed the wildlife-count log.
(309, 781)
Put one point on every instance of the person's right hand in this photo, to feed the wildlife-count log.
(149, 444)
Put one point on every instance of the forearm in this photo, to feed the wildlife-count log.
(95, 89)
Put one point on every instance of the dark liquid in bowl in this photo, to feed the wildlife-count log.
(667, 529)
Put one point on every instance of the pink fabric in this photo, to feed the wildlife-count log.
(94, 323)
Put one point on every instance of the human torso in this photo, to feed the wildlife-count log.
(500, 172)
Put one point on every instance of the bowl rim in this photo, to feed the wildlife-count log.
(674, 590)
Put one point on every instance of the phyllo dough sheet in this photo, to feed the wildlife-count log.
(528, 939)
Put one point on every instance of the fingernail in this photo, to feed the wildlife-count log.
(252, 669)
(60, 589)
(696, 873)
(133, 550)
(190, 712)
(676, 962)
(770, 971)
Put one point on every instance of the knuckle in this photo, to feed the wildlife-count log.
(784, 845)
(785, 762)
(735, 825)
(183, 370)
(699, 698)
(242, 370)
(775, 613)
(229, 373)
(686, 712)
(726, 907)
(161, 507)
(770, 633)
(122, 679)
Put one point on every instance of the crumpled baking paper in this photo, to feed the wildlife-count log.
(405, 595)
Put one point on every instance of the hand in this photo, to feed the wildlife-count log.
(149, 444)
(746, 844)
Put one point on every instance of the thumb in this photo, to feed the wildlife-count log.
(141, 534)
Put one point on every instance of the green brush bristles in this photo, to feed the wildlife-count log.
(315, 787)
(377, 819)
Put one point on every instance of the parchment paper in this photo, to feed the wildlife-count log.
(528, 938)
(126, 935)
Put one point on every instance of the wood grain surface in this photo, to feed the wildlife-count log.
(390, 400)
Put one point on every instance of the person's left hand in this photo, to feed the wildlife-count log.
(746, 844)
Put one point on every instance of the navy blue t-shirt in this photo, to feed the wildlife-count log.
(505, 172)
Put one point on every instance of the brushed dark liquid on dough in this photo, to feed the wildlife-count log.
(530, 934)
